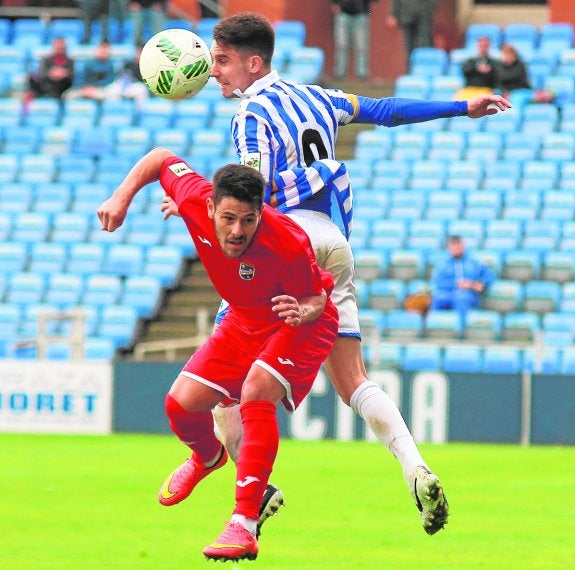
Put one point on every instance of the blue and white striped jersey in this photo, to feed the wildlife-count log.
(288, 132)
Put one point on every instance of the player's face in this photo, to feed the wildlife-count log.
(235, 224)
(231, 69)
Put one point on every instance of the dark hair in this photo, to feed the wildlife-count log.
(240, 182)
(248, 32)
(455, 239)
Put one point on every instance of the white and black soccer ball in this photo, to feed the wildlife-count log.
(175, 64)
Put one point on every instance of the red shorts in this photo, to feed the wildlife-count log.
(293, 355)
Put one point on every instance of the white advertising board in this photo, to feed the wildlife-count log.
(56, 397)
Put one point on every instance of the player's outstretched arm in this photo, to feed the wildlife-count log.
(112, 212)
(297, 312)
(483, 105)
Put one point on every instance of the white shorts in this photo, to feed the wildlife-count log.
(333, 254)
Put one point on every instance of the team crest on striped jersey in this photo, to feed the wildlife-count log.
(247, 272)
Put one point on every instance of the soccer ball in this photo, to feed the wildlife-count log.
(175, 64)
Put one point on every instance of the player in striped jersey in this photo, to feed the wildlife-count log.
(287, 131)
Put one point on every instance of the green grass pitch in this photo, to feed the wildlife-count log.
(89, 503)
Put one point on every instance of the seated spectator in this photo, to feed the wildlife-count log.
(481, 69)
(98, 73)
(511, 71)
(55, 74)
(128, 83)
(459, 280)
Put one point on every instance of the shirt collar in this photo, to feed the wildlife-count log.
(258, 85)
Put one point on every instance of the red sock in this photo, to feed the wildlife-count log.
(194, 429)
(257, 456)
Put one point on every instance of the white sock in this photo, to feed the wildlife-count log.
(249, 524)
(379, 411)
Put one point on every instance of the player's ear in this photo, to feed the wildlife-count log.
(211, 208)
(255, 63)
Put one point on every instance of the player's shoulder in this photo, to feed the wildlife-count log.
(283, 232)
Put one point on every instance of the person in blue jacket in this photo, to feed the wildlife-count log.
(459, 280)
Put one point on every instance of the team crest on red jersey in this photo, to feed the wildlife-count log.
(247, 272)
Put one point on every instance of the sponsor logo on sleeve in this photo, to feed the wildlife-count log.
(180, 168)
(253, 160)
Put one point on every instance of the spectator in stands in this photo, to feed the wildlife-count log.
(481, 69)
(55, 74)
(92, 11)
(152, 12)
(415, 18)
(98, 73)
(459, 279)
(129, 83)
(351, 19)
(511, 71)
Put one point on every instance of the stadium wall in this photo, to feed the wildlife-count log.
(128, 397)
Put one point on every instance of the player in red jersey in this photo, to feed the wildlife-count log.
(280, 328)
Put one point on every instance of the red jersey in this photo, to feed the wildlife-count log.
(279, 260)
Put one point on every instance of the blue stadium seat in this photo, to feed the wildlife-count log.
(176, 235)
(518, 147)
(164, 262)
(305, 64)
(101, 290)
(502, 175)
(117, 113)
(75, 169)
(124, 260)
(502, 360)
(147, 229)
(37, 168)
(446, 145)
(95, 141)
(483, 205)
(373, 144)
(63, 290)
(426, 62)
(541, 235)
(389, 174)
(558, 205)
(25, 288)
(568, 361)
(177, 140)
(86, 258)
(426, 235)
(195, 112)
(522, 265)
(21, 140)
(47, 257)
(539, 175)
(443, 324)
(133, 141)
(444, 205)
(471, 230)
(547, 361)
(10, 107)
(422, 357)
(156, 113)
(370, 264)
(208, 143)
(42, 112)
(143, 293)
(554, 37)
(385, 294)
(10, 317)
(427, 175)
(388, 234)
(491, 258)
(464, 359)
(463, 175)
(405, 325)
(563, 87)
(118, 323)
(523, 37)
(53, 198)
(99, 348)
(558, 146)
(29, 322)
(542, 296)
(502, 234)
(29, 32)
(558, 329)
(16, 197)
(405, 264)
(558, 266)
(409, 145)
(70, 227)
(445, 87)
(80, 113)
(31, 227)
(13, 256)
(520, 326)
(372, 323)
(485, 146)
(70, 28)
(504, 296)
(482, 325)
(479, 30)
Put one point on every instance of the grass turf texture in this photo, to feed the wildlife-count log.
(89, 503)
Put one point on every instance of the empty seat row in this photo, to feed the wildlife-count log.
(472, 358)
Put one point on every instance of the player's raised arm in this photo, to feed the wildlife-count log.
(112, 212)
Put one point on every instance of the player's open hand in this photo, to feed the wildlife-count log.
(287, 308)
(169, 208)
(488, 104)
